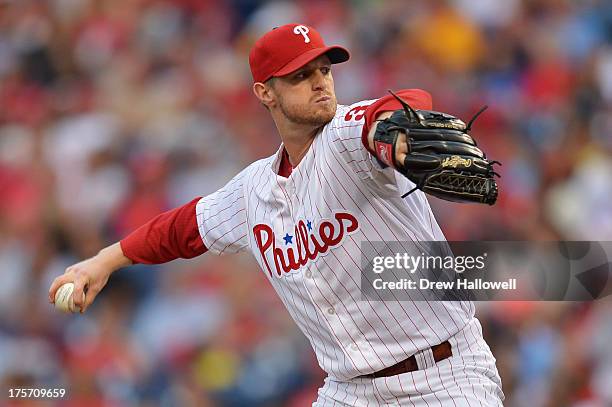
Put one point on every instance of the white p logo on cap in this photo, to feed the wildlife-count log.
(303, 30)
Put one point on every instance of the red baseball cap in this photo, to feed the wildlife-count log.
(287, 48)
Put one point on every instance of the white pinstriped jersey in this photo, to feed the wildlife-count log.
(306, 232)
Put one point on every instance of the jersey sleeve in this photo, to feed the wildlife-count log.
(350, 129)
(345, 137)
(221, 218)
(170, 235)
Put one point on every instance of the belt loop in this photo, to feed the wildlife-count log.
(423, 360)
(431, 356)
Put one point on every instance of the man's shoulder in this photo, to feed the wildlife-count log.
(256, 167)
(262, 162)
(352, 112)
(348, 119)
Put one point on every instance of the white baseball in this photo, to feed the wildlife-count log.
(63, 298)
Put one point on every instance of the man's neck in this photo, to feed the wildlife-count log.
(297, 140)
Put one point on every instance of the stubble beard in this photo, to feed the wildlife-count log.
(309, 116)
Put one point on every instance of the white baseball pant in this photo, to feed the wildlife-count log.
(468, 378)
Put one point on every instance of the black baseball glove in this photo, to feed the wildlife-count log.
(443, 160)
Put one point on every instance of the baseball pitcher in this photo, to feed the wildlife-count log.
(343, 176)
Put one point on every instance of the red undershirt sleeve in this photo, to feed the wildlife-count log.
(416, 98)
(171, 235)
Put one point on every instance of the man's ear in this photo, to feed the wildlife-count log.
(264, 93)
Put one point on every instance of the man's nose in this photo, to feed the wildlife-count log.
(318, 80)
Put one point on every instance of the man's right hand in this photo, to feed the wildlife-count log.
(90, 276)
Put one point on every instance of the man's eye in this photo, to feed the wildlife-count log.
(301, 75)
(325, 70)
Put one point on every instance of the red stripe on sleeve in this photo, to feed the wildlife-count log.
(416, 98)
(171, 235)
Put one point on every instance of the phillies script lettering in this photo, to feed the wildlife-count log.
(308, 244)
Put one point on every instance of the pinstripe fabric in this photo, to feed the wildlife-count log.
(468, 379)
(334, 203)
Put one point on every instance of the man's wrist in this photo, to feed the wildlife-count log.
(381, 116)
(112, 257)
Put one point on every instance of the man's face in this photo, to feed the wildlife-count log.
(307, 95)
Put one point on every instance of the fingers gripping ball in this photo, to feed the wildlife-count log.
(442, 159)
(63, 298)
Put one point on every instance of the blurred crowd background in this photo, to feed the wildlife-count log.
(114, 111)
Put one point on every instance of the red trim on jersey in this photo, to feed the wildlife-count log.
(285, 168)
(416, 98)
(171, 235)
